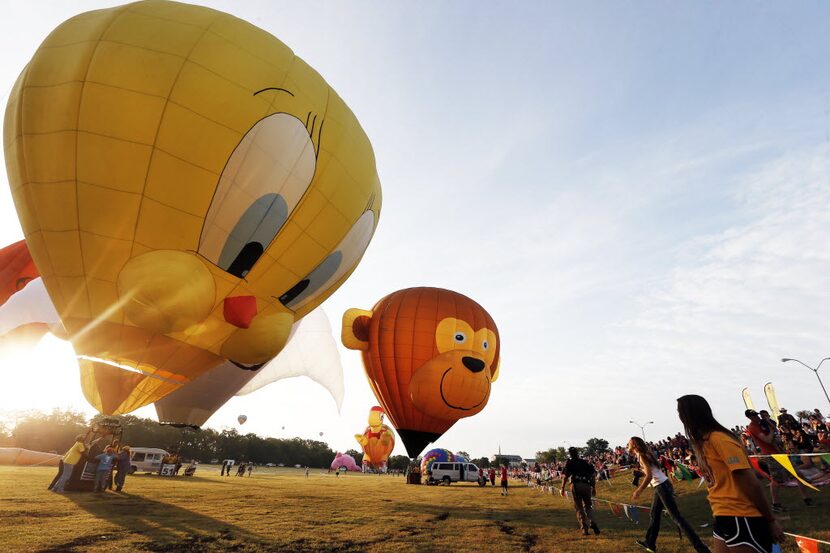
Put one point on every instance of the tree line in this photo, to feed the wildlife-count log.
(56, 431)
(593, 447)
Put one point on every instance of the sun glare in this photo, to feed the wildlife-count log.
(41, 377)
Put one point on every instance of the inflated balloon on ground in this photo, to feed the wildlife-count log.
(377, 440)
(431, 356)
(436, 456)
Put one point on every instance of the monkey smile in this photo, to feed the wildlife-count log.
(450, 405)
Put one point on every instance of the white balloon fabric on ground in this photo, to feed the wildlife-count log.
(311, 352)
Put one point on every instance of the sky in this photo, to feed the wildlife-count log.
(638, 193)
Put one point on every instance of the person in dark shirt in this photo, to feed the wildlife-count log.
(787, 420)
(123, 466)
(583, 479)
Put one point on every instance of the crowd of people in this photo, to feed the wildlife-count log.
(113, 465)
(241, 468)
(733, 462)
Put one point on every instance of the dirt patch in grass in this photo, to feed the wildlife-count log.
(223, 541)
(73, 545)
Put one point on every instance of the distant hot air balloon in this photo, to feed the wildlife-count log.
(436, 456)
(283, 428)
(430, 355)
(377, 440)
(321, 434)
(241, 419)
(177, 231)
(344, 460)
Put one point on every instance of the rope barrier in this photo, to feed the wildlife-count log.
(544, 487)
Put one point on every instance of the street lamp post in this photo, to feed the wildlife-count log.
(784, 360)
(642, 427)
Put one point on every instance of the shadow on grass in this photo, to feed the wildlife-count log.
(162, 527)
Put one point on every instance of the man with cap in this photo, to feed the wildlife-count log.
(785, 420)
(583, 478)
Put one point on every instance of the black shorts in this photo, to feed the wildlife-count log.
(751, 531)
(504, 482)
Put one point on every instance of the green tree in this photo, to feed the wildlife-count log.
(482, 462)
(548, 456)
(358, 455)
(596, 446)
(398, 462)
(54, 432)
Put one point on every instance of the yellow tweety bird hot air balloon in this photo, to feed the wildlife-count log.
(188, 189)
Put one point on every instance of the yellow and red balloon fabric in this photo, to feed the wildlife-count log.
(188, 189)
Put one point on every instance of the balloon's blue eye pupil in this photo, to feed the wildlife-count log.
(459, 337)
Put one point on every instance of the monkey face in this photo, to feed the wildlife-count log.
(456, 382)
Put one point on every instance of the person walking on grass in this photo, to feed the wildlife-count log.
(663, 498)
(583, 478)
(504, 480)
(744, 521)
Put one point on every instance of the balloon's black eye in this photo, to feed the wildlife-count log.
(249, 255)
(295, 291)
(253, 232)
(315, 279)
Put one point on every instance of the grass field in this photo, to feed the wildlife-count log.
(280, 510)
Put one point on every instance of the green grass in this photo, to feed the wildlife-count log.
(280, 510)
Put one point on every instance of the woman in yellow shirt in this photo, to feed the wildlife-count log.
(744, 522)
(69, 461)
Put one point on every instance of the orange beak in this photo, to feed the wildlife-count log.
(240, 310)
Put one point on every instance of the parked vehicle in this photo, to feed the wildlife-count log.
(146, 459)
(445, 473)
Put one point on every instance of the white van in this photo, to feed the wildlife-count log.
(453, 472)
(146, 459)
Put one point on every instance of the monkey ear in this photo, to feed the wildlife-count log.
(355, 333)
(495, 375)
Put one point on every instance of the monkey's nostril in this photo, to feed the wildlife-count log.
(475, 365)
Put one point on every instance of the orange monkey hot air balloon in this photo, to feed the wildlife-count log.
(377, 440)
(431, 356)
